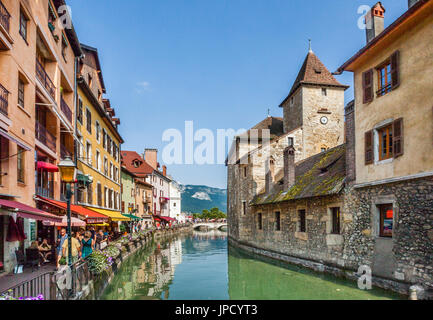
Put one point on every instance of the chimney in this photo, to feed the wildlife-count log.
(411, 3)
(164, 171)
(151, 156)
(375, 21)
(289, 167)
(350, 142)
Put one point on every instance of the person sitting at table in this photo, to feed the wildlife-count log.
(45, 250)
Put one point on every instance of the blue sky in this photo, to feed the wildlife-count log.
(219, 63)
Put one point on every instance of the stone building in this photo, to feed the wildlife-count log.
(392, 171)
(313, 122)
(367, 202)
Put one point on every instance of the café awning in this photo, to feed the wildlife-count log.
(75, 222)
(46, 166)
(114, 215)
(25, 211)
(89, 216)
(131, 216)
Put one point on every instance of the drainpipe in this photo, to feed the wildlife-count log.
(75, 120)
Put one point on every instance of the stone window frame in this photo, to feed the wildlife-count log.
(244, 207)
(298, 222)
(329, 216)
(259, 222)
(279, 211)
(375, 215)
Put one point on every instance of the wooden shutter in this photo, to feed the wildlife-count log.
(367, 86)
(395, 70)
(397, 139)
(369, 147)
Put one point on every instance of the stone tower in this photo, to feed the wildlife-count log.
(315, 108)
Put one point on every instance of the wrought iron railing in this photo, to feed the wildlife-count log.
(4, 17)
(41, 284)
(65, 109)
(44, 136)
(43, 77)
(4, 100)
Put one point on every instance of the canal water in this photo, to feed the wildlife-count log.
(201, 266)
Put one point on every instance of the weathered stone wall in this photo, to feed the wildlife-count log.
(292, 110)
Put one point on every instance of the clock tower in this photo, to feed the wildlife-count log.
(314, 108)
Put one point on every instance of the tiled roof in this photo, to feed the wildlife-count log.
(320, 175)
(274, 124)
(128, 160)
(314, 72)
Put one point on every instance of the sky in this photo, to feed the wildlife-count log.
(219, 63)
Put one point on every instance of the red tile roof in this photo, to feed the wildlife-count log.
(314, 72)
(128, 160)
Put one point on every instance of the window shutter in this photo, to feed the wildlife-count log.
(369, 147)
(397, 140)
(367, 86)
(395, 69)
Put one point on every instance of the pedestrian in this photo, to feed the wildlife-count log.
(61, 239)
(87, 245)
(101, 240)
(76, 248)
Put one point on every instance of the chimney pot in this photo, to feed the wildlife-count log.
(164, 171)
(289, 167)
(375, 21)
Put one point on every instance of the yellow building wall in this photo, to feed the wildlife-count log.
(90, 169)
(412, 100)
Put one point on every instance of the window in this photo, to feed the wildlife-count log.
(324, 92)
(99, 192)
(245, 172)
(23, 25)
(104, 139)
(80, 111)
(386, 220)
(89, 121)
(20, 165)
(161, 182)
(98, 131)
(21, 93)
(174, 204)
(105, 166)
(89, 194)
(277, 221)
(89, 79)
(109, 144)
(111, 170)
(385, 143)
(65, 45)
(259, 221)
(384, 79)
(106, 197)
(98, 160)
(301, 221)
(89, 153)
(322, 149)
(244, 207)
(335, 220)
(123, 206)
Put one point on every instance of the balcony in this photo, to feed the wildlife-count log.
(45, 137)
(43, 77)
(4, 17)
(65, 109)
(4, 100)
(64, 152)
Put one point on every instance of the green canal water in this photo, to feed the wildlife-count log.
(201, 266)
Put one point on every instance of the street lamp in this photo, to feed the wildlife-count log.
(68, 173)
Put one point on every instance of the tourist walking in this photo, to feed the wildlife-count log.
(62, 237)
(87, 245)
(76, 248)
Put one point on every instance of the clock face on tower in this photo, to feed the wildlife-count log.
(323, 120)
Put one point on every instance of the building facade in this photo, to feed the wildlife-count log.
(37, 61)
(175, 201)
(98, 150)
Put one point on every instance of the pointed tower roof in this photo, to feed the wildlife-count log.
(314, 72)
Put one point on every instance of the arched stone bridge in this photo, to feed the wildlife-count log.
(210, 225)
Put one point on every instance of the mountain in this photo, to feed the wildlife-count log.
(197, 198)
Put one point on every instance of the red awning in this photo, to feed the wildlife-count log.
(25, 211)
(75, 222)
(156, 218)
(89, 216)
(47, 166)
(168, 219)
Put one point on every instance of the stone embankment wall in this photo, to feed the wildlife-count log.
(96, 286)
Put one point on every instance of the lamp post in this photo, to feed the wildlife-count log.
(68, 173)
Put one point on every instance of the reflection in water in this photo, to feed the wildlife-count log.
(198, 266)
